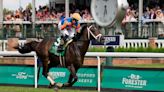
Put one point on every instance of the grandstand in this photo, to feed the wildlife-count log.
(136, 24)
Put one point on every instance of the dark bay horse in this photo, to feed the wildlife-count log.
(74, 54)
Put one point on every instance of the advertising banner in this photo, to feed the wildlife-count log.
(87, 77)
(118, 78)
(109, 40)
(17, 75)
(133, 79)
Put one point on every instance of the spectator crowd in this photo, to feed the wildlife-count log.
(44, 13)
(152, 19)
(152, 12)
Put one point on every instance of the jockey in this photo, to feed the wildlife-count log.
(68, 27)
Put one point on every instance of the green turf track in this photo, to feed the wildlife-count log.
(30, 89)
(144, 66)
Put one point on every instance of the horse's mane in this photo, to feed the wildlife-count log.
(83, 26)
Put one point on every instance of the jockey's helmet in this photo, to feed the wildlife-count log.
(76, 16)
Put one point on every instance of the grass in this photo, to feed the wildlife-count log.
(145, 65)
(30, 89)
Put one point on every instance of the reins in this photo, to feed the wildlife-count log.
(91, 33)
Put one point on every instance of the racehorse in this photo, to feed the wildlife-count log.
(73, 57)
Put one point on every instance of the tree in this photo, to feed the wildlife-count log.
(29, 6)
(7, 11)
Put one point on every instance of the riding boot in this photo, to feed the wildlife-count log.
(64, 40)
(61, 46)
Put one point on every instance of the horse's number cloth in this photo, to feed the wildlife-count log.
(54, 48)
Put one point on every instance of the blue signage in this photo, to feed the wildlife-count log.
(109, 40)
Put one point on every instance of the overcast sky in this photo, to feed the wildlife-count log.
(15, 4)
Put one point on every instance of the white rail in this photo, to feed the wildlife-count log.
(125, 43)
(16, 53)
(125, 54)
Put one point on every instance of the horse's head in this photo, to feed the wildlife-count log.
(26, 48)
(93, 32)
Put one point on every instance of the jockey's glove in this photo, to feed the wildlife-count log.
(78, 34)
(74, 38)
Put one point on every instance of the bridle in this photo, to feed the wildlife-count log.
(97, 37)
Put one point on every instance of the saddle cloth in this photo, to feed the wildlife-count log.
(54, 48)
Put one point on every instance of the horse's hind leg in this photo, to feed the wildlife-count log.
(52, 82)
(46, 75)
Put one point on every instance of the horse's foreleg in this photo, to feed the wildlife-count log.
(70, 78)
(69, 81)
(72, 75)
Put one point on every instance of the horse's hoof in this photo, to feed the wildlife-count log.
(50, 85)
(66, 85)
(59, 85)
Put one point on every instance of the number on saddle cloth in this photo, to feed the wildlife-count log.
(54, 48)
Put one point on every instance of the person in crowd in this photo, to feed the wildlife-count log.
(152, 14)
(159, 17)
(159, 14)
(86, 15)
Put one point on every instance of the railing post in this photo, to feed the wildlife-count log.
(35, 71)
(140, 17)
(99, 74)
(109, 59)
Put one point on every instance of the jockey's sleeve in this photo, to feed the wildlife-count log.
(66, 23)
(63, 26)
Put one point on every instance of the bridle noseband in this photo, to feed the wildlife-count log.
(97, 37)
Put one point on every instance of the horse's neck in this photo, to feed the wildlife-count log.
(83, 45)
(84, 40)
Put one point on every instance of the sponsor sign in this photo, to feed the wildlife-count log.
(17, 75)
(25, 75)
(109, 40)
(87, 77)
(133, 79)
(119, 78)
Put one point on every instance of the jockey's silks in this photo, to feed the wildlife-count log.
(67, 23)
